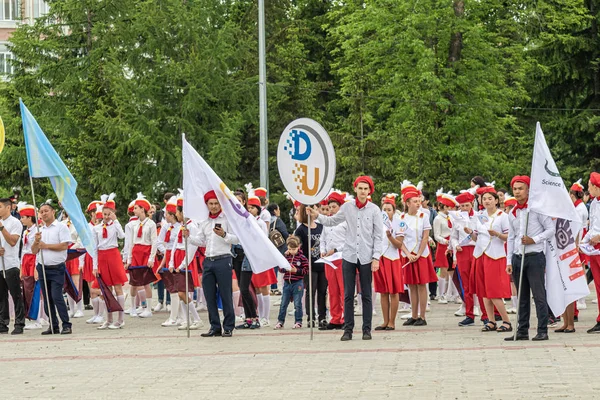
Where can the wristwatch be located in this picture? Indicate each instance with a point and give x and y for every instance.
(1, 228)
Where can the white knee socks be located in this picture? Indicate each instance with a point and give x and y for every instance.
(174, 307)
(121, 300)
(259, 305)
(266, 307)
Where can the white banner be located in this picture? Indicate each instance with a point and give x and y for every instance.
(330, 259)
(199, 178)
(565, 276)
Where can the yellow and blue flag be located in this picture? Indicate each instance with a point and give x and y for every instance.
(43, 162)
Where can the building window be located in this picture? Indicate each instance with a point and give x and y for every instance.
(40, 8)
(10, 10)
(6, 67)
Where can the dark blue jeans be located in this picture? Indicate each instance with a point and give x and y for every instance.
(160, 288)
(55, 279)
(292, 290)
(218, 273)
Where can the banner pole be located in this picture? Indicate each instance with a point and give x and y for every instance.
(521, 277)
(46, 302)
(310, 283)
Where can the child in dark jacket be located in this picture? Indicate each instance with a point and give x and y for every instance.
(293, 283)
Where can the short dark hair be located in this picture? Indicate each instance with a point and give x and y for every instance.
(425, 195)
(48, 203)
(478, 180)
(6, 201)
(502, 190)
(272, 207)
(167, 196)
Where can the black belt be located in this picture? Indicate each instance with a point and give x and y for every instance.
(221, 257)
(57, 266)
(537, 253)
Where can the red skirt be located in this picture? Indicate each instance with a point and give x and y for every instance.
(266, 278)
(28, 264)
(73, 266)
(441, 261)
(388, 278)
(140, 255)
(110, 267)
(497, 281)
(88, 268)
(420, 272)
(478, 277)
(193, 267)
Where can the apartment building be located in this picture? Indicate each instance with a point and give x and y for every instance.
(13, 13)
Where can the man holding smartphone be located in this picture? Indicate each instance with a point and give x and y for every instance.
(215, 235)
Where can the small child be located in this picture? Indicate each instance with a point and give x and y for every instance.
(293, 285)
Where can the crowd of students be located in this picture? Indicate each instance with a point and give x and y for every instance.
(466, 250)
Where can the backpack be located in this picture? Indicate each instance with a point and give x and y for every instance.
(275, 236)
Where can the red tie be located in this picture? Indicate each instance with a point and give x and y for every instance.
(168, 235)
(140, 230)
(449, 222)
(471, 213)
(360, 205)
(104, 232)
(26, 238)
(518, 207)
(180, 236)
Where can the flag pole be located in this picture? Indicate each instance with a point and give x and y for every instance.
(187, 269)
(46, 302)
(521, 276)
(310, 283)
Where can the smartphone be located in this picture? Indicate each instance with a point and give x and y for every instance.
(218, 226)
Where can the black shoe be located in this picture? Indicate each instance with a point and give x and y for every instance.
(331, 326)
(227, 333)
(595, 329)
(255, 324)
(466, 322)
(4, 330)
(409, 322)
(211, 333)
(49, 331)
(17, 331)
(540, 336)
(66, 331)
(367, 335)
(519, 337)
(346, 336)
(420, 322)
(575, 319)
(432, 297)
(88, 307)
(323, 325)
(246, 325)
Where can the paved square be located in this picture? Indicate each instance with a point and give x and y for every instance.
(439, 361)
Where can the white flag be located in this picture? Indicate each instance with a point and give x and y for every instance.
(565, 276)
(199, 178)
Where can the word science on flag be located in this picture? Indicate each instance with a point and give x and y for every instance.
(565, 276)
(306, 161)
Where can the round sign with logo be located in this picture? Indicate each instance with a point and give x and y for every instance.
(306, 161)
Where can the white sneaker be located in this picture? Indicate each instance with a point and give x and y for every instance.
(134, 314)
(406, 316)
(264, 322)
(240, 319)
(91, 320)
(374, 312)
(202, 307)
(116, 325)
(457, 300)
(99, 320)
(511, 310)
(169, 323)
(34, 325)
(595, 301)
(78, 314)
(168, 308)
(128, 311)
(158, 307)
(179, 321)
(71, 313)
(140, 310)
(442, 300)
(196, 325)
(476, 311)
(581, 304)
(44, 322)
(277, 303)
(358, 311)
(146, 314)
(290, 313)
(461, 311)
(104, 326)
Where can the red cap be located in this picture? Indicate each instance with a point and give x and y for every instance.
(260, 192)
(465, 197)
(297, 204)
(92, 206)
(180, 202)
(520, 178)
(511, 201)
(254, 201)
(445, 201)
(486, 189)
(145, 204)
(336, 197)
(324, 202)
(367, 180)
(130, 208)
(595, 179)
(27, 211)
(110, 204)
(409, 194)
(209, 196)
(390, 200)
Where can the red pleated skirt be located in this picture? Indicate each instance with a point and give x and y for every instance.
(266, 278)
(477, 277)
(441, 261)
(420, 272)
(28, 264)
(110, 267)
(389, 277)
(140, 255)
(88, 268)
(73, 266)
(193, 267)
(497, 281)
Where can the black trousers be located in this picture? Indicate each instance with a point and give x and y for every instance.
(54, 301)
(319, 293)
(534, 278)
(11, 284)
(366, 279)
(215, 274)
(244, 280)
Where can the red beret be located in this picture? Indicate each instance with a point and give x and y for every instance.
(260, 192)
(510, 202)
(336, 197)
(324, 202)
(367, 180)
(486, 189)
(145, 204)
(390, 200)
(595, 179)
(254, 201)
(577, 187)
(465, 197)
(445, 201)
(410, 194)
(520, 178)
(209, 196)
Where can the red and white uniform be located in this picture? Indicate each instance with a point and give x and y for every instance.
(108, 262)
(464, 258)
(412, 228)
(178, 260)
(73, 264)
(28, 259)
(389, 277)
(144, 243)
(442, 229)
(128, 238)
(333, 239)
(88, 263)
(267, 277)
(593, 231)
(166, 239)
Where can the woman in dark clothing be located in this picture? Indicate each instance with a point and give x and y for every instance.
(278, 225)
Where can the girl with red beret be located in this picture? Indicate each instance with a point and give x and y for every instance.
(592, 237)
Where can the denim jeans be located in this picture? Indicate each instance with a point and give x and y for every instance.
(160, 288)
(291, 289)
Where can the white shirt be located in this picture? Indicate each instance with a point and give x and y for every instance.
(492, 246)
(162, 245)
(390, 251)
(56, 233)
(459, 221)
(582, 211)
(365, 227)
(265, 216)
(441, 232)
(540, 229)
(128, 238)
(412, 228)
(148, 237)
(215, 244)
(30, 234)
(75, 241)
(191, 248)
(333, 237)
(594, 227)
(114, 231)
(11, 253)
